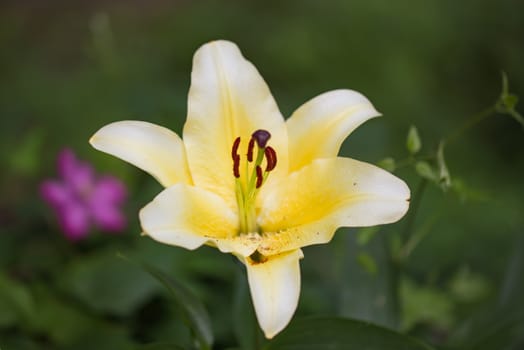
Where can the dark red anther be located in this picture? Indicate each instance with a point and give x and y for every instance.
(250, 150)
(260, 177)
(234, 149)
(271, 158)
(236, 165)
(261, 137)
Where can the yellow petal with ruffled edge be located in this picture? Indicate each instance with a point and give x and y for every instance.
(275, 288)
(307, 207)
(318, 127)
(228, 99)
(152, 148)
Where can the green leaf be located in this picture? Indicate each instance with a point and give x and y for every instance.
(425, 304)
(245, 325)
(513, 285)
(104, 336)
(387, 164)
(507, 102)
(366, 287)
(366, 234)
(64, 322)
(25, 158)
(444, 177)
(426, 171)
(195, 313)
(469, 287)
(16, 303)
(413, 143)
(368, 263)
(107, 284)
(341, 334)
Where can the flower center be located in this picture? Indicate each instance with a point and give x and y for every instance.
(251, 176)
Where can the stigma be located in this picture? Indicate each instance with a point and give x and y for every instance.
(250, 175)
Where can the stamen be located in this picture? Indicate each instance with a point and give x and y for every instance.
(262, 137)
(271, 158)
(260, 177)
(253, 177)
(234, 149)
(236, 166)
(250, 150)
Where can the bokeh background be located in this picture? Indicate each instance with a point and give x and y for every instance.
(69, 67)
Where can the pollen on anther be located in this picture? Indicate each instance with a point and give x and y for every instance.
(234, 149)
(250, 147)
(260, 177)
(271, 158)
(236, 166)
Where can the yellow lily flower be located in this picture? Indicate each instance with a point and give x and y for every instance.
(252, 184)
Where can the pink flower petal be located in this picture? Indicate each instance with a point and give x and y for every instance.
(55, 193)
(108, 189)
(75, 173)
(73, 219)
(65, 163)
(108, 217)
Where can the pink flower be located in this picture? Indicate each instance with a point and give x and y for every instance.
(81, 198)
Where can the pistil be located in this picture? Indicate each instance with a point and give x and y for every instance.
(248, 182)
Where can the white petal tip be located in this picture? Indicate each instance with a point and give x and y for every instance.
(270, 335)
(275, 289)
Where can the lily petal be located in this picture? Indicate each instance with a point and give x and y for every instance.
(187, 217)
(228, 99)
(150, 147)
(318, 127)
(275, 288)
(241, 245)
(307, 207)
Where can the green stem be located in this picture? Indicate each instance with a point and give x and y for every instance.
(415, 206)
(412, 160)
(469, 123)
(417, 237)
(397, 258)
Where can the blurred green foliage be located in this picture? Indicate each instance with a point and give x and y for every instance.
(451, 273)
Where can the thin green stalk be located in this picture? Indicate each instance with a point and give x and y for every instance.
(469, 123)
(408, 161)
(416, 201)
(396, 257)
